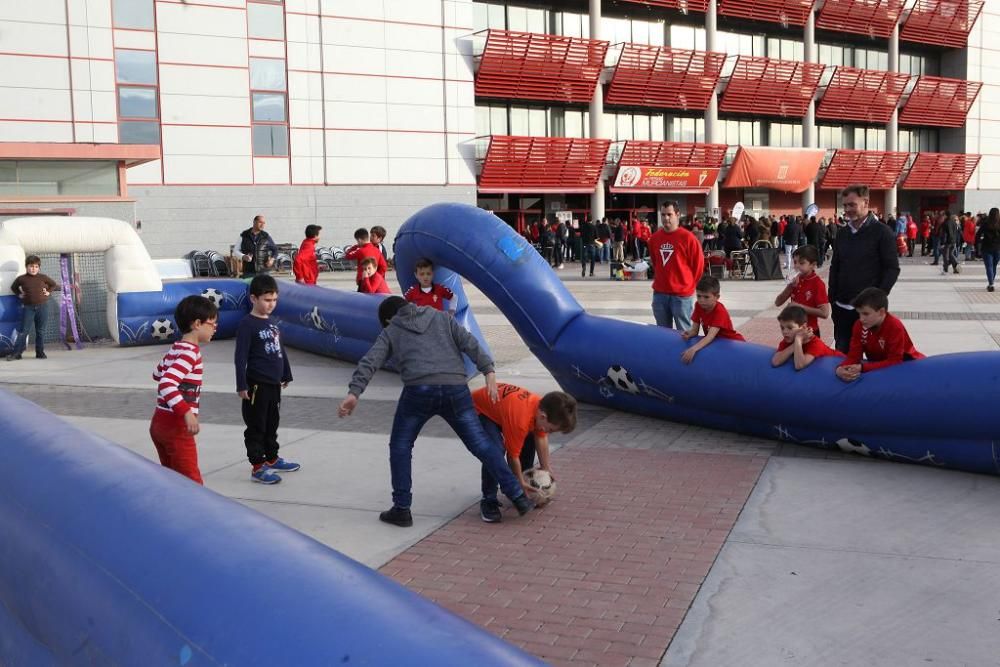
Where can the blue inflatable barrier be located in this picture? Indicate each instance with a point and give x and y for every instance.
(10, 321)
(731, 385)
(145, 318)
(111, 559)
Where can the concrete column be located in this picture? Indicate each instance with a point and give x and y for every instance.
(809, 139)
(712, 129)
(892, 129)
(596, 114)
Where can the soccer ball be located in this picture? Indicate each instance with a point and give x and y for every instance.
(163, 330)
(213, 295)
(622, 379)
(541, 487)
(316, 318)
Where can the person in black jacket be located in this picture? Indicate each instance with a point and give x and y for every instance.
(816, 237)
(864, 255)
(951, 237)
(988, 240)
(256, 248)
(588, 238)
(791, 237)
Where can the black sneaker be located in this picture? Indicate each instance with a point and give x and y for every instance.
(989, 288)
(489, 510)
(13, 357)
(523, 504)
(397, 516)
(40, 355)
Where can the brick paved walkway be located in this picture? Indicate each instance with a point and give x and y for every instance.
(604, 574)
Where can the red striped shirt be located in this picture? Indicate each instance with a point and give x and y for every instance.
(178, 378)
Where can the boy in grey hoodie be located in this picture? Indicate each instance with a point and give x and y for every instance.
(427, 346)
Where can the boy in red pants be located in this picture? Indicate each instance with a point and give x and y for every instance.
(178, 378)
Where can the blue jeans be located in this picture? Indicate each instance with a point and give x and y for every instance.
(673, 311)
(990, 259)
(526, 457)
(606, 251)
(936, 249)
(453, 403)
(589, 251)
(33, 318)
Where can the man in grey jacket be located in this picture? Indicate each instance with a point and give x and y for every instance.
(426, 346)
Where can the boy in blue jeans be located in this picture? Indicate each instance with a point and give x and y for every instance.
(33, 289)
(427, 346)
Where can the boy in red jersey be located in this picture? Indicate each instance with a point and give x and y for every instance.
(710, 314)
(520, 422)
(372, 281)
(306, 268)
(806, 288)
(798, 341)
(178, 388)
(428, 293)
(363, 249)
(877, 335)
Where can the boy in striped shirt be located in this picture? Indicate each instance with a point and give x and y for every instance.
(178, 378)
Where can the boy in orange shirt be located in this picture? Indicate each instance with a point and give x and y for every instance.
(878, 335)
(520, 422)
(806, 288)
(372, 281)
(798, 340)
(710, 314)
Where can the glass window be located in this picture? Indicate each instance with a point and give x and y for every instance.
(269, 107)
(640, 32)
(682, 36)
(265, 21)
(498, 120)
(537, 20)
(136, 102)
(657, 128)
(270, 140)
(657, 31)
(497, 18)
(759, 45)
(138, 132)
(773, 47)
(482, 121)
(517, 19)
(536, 122)
(135, 14)
(135, 66)
(623, 127)
(519, 121)
(699, 39)
(825, 54)
(54, 178)
(837, 55)
(903, 141)
(267, 74)
(573, 120)
(640, 128)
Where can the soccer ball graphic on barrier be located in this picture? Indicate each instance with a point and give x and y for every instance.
(622, 379)
(317, 319)
(213, 295)
(163, 330)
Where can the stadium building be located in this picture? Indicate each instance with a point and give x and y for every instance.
(189, 117)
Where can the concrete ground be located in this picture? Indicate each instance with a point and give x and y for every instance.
(667, 544)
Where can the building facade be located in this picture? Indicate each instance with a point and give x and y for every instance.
(190, 117)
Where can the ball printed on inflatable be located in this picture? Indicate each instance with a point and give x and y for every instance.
(541, 487)
(622, 379)
(316, 318)
(163, 330)
(213, 295)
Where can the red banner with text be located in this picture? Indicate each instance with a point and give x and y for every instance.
(632, 178)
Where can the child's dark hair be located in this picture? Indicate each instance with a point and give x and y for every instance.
(263, 284)
(193, 308)
(560, 410)
(388, 309)
(873, 298)
(312, 231)
(369, 260)
(795, 314)
(709, 284)
(361, 234)
(423, 263)
(32, 260)
(378, 230)
(808, 253)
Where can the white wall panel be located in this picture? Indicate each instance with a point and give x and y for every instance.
(95, 13)
(413, 63)
(461, 93)
(416, 145)
(200, 50)
(413, 38)
(206, 141)
(28, 131)
(304, 56)
(95, 105)
(134, 39)
(34, 104)
(37, 11)
(348, 32)
(418, 117)
(357, 170)
(34, 38)
(356, 115)
(459, 68)
(461, 172)
(270, 170)
(105, 134)
(91, 42)
(306, 6)
(305, 86)
(84, 133)
(354, 59)
(415, 11)
(358, 8)
(204, 110)
(458, 41)
(28, 72)
(306, 143)
(414, 91)
(461, 119)
(307, 170)
(90, 75)
(416, 170)
(458, 13)
(348, 144)
(305, 113)
(147, 173)
(217, 81)
(344, 87)
(206, 169)
(261, 48)
(197, 20)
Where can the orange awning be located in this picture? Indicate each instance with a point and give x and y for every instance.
(783, 169)
(130, 154)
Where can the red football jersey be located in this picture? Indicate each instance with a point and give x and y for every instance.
(811, 291)
(885, 345)
(717, 317)
(816, 347)
(433, 297)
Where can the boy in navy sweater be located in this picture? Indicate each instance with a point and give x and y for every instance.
(262, 370)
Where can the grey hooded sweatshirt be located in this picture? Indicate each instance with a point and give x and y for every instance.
(426, 345)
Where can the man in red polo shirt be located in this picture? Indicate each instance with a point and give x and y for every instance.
(678, 262)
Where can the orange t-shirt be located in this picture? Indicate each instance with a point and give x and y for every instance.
(514, 413)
